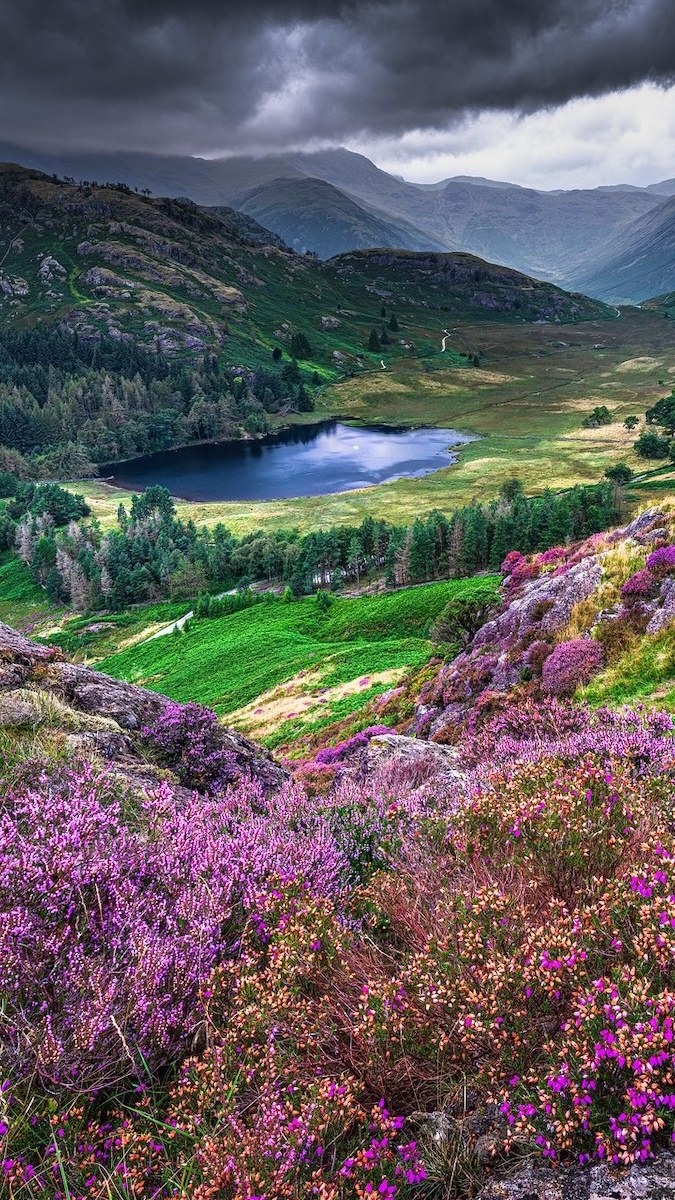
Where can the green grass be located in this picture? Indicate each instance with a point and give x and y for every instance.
(230, 662)
(21, 600)
(645, 674)
(96, 637)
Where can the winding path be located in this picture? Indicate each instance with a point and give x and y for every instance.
(181, 620)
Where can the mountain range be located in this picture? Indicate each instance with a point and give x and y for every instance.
(616, 243)
(171, 275)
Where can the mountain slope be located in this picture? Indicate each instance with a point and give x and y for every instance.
(169, 274)
(548, 234)
(638, 263)
(310, 214)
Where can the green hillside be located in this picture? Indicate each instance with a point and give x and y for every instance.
(168, 274)
(335, 660)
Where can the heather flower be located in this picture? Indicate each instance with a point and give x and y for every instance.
(570, 665)
(513, 559)
(662, 560)
(641, 586)
(334, 754)
(536, 655)
(188, 739)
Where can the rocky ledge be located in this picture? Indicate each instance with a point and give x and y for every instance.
(97, 714)
(647, 1181)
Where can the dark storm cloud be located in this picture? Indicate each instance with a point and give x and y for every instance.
(264, 74)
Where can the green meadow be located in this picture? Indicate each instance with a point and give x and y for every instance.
(280, 668)
(526, 403)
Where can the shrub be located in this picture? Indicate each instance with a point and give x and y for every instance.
(650, 445)
(569, 666)
(460, 620)
(621, 473)
(641, 586)
(307, 967)
(513, 559)
(188, 739)
(522, 572)
(615, 636)
(600, 416)
(536, 655)
(334, 754)
(662, 560)
(300, 346)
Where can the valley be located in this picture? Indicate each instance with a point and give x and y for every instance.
(337, 600)
(526, 402)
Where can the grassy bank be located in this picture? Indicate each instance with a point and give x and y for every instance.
(278, 669)
(22, 602)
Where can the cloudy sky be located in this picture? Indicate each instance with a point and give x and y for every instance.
(550, 93)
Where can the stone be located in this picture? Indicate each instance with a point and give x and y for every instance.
(413, 753)
(103, 714)
(645, 1181)
(644, 522)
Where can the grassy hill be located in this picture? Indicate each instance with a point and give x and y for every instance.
(279, 671)
(167, 273)
(312, 215)
(542, 233)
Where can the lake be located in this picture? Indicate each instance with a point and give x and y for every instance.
(309, 460)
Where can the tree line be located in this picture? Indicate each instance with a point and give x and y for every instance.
(68, 404)
(153, 555)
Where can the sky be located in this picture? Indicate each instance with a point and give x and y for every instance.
(547, 93)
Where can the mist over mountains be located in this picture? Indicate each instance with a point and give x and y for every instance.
(616, 243)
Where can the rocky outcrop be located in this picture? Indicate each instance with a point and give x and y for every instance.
(541, 596)
(412, 756)
(648, 1181)
(99, 714)
(498, 654)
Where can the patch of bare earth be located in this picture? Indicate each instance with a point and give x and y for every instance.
(302, 696)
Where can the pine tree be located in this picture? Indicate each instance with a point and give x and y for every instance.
(421, 553)
(374, 342)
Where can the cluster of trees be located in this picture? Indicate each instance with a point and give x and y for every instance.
(379, 338)
(600, 416)
(67, 404)
(152, 555)
(44, 507)
(651, 444)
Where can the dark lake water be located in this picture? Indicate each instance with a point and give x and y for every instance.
(304, 461)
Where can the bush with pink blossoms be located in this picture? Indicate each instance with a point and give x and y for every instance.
(188, 739)
(536, 655)
(110, 924)
(334, 754)
(554, 557)
(570, 665)
(309, 967)
(522, 573)
(513, 559)
(662, 560)
(643, 585)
